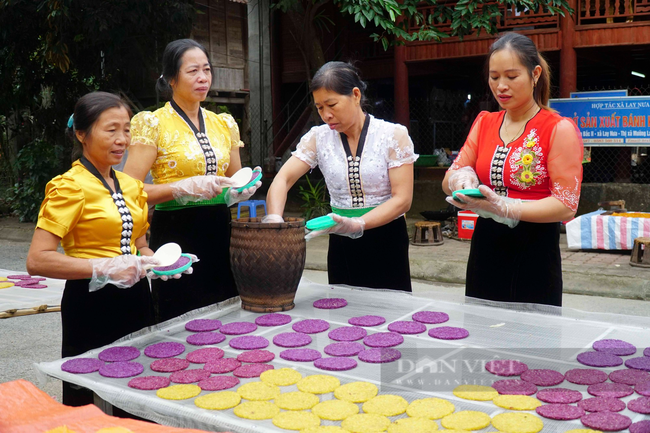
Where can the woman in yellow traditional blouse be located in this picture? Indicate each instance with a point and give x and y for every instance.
(100, 218)
(188, 150)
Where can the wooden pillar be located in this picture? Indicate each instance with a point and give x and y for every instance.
(568, 57)
(401, 87)
(276, 79)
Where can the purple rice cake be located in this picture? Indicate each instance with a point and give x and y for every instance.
(189, 376)
(407, 327)
(559, 395)
(249, 342)
(120, 353)
(205, 338)
(643, 388)
(430, 317)
(606, 421)
(166, 349)
(640, 405)
(182, 261)
(347, 333)
(169, 365)
(19, 276)
(383, 339)
(223, 365)
(646, 352)
(218, 383)
(448, 333)
(203, 325)
(559, 411)
(335, 364)
(330, 303)
(256, 356)
(149, 383)
(599, 359)
(32, 286)
(251, 370)
(238, 328)
(608, 389)
(121, 369)
(506, 367)
(514, 387)
(311, 326)
(380, 355)
(28, 281)
(82, 365)
(367, 320)
(273, 319)
(543, 377)
(291, 339)
(300, 355)
(615, 347)
(629, 376)
(640, 427)
(602, 404)
(585, 376)
(641, 363)
(343, 349)
(201, 356)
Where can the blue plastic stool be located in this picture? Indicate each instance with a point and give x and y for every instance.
(252, 207)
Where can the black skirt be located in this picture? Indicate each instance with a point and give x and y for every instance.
(522, 264)
(205, 232)
(379, 259)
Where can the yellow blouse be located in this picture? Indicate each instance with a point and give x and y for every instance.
(79, 209)
(179, 153)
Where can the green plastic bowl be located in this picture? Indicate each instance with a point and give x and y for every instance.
(427, 161)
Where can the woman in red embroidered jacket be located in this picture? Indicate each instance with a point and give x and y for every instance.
(528, 162)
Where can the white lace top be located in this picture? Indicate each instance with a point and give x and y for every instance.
(361, 181)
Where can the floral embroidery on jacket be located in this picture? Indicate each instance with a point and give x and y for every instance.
(526, 162)
(569, 196)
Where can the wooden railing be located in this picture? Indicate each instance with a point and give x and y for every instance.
(612, 12)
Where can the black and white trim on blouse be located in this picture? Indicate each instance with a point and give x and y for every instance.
(211, 166)
(354, 162)
(496, 170)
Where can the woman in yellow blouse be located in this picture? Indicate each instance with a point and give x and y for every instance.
(188, 150)
(100, 218)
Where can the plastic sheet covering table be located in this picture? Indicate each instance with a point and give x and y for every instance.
(28, 300)
(598, 231)
(542, 337)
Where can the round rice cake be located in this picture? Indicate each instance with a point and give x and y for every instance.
(324, 429)
(407, 327)
(119, 353)
(613, 346)
(201, 356)
(448, 333)
(82, 365)
(413, 425)
(249, 342)
(640, 363)
(300, 355)
(335, 364)
(344, 349)
(291, 339)
(165, 349)
(383, 339)
(602, 404)
(330, 303)
(559, 395)
(218, 383)
(311, 326)
(585, 376)
(4, 279)
(430, 408)
(203, 325)
(258, 391)
(221, 366)
(386, 404)
(380, 355)
(251, 370)
(256, 356)
(169, 365)
(516, 402)
(281, 377)
(189, 376)
(583, 430)
(475, 392)
(643, 388)
(369, 320)
(149, 383)
(6, 284)
(335, 410)
(296, 400)
(365, 423)
(179, 392)
(513, 422)
(430, 317)
(218, 400)
(347, 333)
(318, 383)
(599, 359)
(629, 376)
(606, 421)
(640, 405)
(238, 328)
(608, 389)
(273, 319)
(560, 411)
(506, 367)
(121, 369)
(296, 420)
(205, 338)
(466, 420)
(640, 427)
(543, 377)
(256, 410)
(356, 392)
(514, 387)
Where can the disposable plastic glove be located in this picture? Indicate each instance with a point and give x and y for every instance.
(232, 196)
(463, 178)
(350, 227)
(272, 218)
(504, 210)
(197, 188)
(187, 271)
(121, 271)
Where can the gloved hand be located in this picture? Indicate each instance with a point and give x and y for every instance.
(272, 218)
(504, 210)
(122, 271)
(463, 178)
(187, 271)
(198, 188)
(232, 196)
(350, 227)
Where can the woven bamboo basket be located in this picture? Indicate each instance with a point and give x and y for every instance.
(267, 261)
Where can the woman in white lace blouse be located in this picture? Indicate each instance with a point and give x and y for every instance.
(368, 168)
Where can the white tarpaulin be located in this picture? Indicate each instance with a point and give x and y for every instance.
(18, 298)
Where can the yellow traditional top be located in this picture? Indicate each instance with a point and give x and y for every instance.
(179, 152)
(80, 210)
